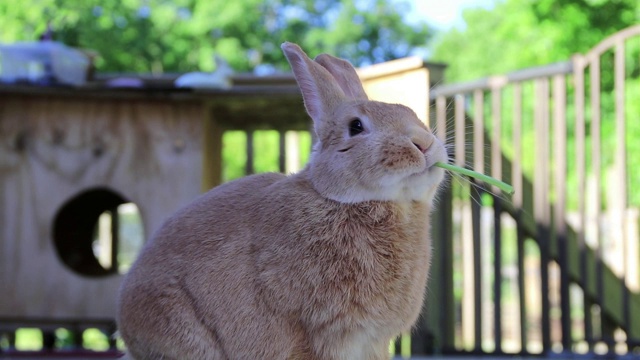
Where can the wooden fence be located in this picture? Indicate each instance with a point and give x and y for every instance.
(554, 268)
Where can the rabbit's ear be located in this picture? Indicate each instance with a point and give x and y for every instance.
(345, 74)
(319, 89)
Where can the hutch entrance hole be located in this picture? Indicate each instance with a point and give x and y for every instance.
(98, 233)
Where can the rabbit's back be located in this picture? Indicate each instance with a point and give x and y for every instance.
(192, 293)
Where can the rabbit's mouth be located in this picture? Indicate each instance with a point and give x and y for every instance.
(431, 161)
(422, 184)
(432, 156)
(436, 153)
(428, 169)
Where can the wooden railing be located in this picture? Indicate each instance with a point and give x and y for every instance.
(555, 267)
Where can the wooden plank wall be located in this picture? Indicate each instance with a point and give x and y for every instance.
(51, 149)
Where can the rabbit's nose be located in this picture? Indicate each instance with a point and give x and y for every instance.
(423, 144)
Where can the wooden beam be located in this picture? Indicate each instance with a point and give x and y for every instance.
(211, 150)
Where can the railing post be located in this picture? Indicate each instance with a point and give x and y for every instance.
(434, 332)
(282, 152)
(580, 135)
(439, 308)
(496, 172)
(497, 273)
(211, 150)
(541, 200)
(440, 301)
(11, 339)
(249, 169)
(621, 170)
(76, 337)
(476, 210)
(560, 169)
(48, 339)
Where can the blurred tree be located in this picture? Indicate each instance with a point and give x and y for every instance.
(182, 35)
(516, 34)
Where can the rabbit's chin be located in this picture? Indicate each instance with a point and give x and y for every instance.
(415, 186)
(420, 186)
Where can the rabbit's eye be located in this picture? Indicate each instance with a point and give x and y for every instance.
(355, 127)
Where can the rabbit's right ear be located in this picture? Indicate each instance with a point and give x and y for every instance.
(319, 89)
(345, 75)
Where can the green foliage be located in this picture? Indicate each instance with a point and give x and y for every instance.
(182, 35)
(94, 339)
(64, 339)
(266, 152)
(130, 235)
(28, 339)
(234, 157)
(517, 34)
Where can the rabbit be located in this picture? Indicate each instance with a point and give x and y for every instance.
(328, 263)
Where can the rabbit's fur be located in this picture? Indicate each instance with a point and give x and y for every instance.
(329, 263)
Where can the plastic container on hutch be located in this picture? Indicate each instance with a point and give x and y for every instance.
(43, 62)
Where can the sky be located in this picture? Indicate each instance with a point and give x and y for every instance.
(442, 15)
(445, 14)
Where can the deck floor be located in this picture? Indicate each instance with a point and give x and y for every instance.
(438, 357)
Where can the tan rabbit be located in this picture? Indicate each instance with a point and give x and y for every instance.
(329, 263)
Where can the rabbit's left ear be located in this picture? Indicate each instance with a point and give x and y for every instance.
(320, 91)
(345, 75)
